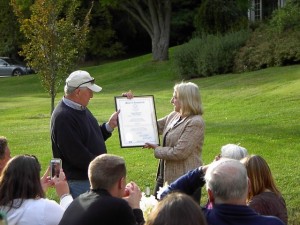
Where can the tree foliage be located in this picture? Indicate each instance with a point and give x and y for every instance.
(218, 16)
(155, 17)
(55, 42)
(9, 30)
(275, 43)
(182, 20)
(102, 38)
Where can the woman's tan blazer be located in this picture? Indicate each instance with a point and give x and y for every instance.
(183, 144)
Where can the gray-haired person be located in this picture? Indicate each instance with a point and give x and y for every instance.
(193, 180)
(76, 136)
(227, 187)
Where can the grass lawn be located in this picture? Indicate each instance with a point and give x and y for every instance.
(259, 110)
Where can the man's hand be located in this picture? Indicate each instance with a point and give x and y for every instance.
(134, 195)
(113, 120)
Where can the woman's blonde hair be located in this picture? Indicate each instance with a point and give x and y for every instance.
(260, 176)
(189, 97)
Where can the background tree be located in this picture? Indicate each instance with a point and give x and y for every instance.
(10, 34)
(132, 35)
(102, 40)
(182, 20)
(136, 40)
(218, 16)
(155, 17)
(55, 41)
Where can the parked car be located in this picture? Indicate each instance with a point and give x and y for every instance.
(11, 67)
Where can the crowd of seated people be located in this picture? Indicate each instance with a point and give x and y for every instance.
(240, 189)
(263, 196)
(192, 181)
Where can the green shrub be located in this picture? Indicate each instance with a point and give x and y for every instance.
(209, 55)
(274, 44)
(256, 54)
(265, 49)
(184, 59)
(286, 18)
(287, 48)
(218, 16)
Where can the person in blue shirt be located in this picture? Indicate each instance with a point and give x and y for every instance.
(192, 181)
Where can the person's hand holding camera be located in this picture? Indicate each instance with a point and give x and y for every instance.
(61, 185)
(46, 181)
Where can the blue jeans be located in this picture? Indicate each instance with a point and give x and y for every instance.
(77, 187)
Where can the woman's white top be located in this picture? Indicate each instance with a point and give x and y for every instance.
(35, 212)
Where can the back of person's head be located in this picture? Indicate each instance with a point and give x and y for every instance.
(227, 180)
(3, 145)
(176, 209)
(105, 170)
(233, 151)
(189, 96)
(260, 176)
(20, 179)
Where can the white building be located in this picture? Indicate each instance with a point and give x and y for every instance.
(261, 9)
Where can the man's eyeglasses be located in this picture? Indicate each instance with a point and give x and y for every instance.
(90, 81)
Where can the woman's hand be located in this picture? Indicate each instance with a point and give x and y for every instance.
(46, 181)
(149, 145)
(61, 184)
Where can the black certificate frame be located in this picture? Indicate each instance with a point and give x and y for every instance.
(137, 121)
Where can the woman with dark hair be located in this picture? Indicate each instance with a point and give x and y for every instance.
(264, 197)
(176, 209)
(22, 197)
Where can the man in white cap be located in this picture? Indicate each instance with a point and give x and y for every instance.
(76, 136)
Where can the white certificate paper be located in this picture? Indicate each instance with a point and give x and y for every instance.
(137, 121)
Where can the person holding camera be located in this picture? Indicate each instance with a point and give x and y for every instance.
(22, 193)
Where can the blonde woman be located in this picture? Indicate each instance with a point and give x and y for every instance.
(182, 134)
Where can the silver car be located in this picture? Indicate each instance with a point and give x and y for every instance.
(10, 67)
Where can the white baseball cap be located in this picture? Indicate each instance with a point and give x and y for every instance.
(80, 78)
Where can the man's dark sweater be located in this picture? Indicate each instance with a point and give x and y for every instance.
(77, 139)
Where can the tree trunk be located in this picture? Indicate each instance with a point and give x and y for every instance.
(160, 48)
(161, 20)
(52, 103)
(155, 17)
(52, 92)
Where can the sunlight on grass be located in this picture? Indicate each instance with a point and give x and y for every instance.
(259, 110)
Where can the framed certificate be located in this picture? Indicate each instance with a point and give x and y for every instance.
(137, 121)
